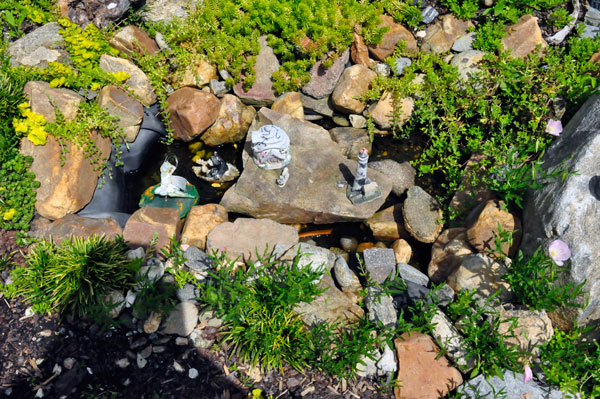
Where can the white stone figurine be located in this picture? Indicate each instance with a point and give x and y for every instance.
(270, 147)
(283, 177)
(171, 186)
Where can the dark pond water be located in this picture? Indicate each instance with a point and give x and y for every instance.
(384, 147)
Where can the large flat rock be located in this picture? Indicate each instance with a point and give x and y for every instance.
(311, 194)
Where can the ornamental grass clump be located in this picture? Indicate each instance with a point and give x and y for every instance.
(73, 276)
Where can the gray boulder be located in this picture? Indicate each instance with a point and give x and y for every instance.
(39, 47)
(568, 209)
(513, 386)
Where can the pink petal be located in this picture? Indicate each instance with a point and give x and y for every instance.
(528, 374)
(185, 247)
(554, 127)
(559, 251)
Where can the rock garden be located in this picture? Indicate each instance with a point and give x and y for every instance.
(284, 199)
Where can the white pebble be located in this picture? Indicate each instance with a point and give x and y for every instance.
(193, 373)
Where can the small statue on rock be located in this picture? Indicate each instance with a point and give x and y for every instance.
(271, 147)
(215, 170)
(363, 189)
(283, 177)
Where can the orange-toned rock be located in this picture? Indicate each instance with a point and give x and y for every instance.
(132, 39)
(364, 245)
(289, 103)
(68, 188)
(354, 82)
(359, 52)
(198, 74)
(523, 37)
(389, 40)
(44, 100)
(422, 374)
(192, 112)
(441, 36)
(232, 122)
(595, 58)
(447, 253)
(200, 221)
(147, 221)
(402, 251)
(387, 224)
(382, 111)
(482, 233)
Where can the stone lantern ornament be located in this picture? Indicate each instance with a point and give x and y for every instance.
(362, 190)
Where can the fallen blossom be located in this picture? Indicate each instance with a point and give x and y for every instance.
(559, 251)
(528, 374)
(554, 127)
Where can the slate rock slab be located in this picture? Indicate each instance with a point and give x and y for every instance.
(312, 194)
(39, 47)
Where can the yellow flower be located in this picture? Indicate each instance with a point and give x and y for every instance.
(20, 126)
(37, 135)
(23, 106)
(11, 213)
(95, 86)
(56, 82)
(121, 76)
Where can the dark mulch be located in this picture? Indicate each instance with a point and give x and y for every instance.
(74, 359)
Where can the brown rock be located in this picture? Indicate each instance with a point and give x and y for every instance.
(192, 112)
(389, 40)
(245, 237)
(138, 81)
(422, 215)
(523, 37)
(351, 140)
(447, 253)
(482, 274)
(387, 224)
(197, 75)
(43, 100)
(482, 233)
(382, 111)
(124, 106)
(331, 306)
(132, 39)
(311, 194)
(354, 82)
(323, 80)
(200, 221)
(147, 221)
(442, 35)
(595, 58)
(422, 373)
(78, 226)
(261, 93)
(232, 122)
(359, 52)
(364, 245)
(63, 7)
(402, 251)
(68, 188)
(289, 103)
(533, 329)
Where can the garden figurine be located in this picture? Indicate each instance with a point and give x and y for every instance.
(362, 189)
(270, 147)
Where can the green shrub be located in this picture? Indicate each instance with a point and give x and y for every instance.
(480, 327)
(559, 18)
(573, 362)
(300, 33)
(533, 281)
(74, 276)
(260, 324)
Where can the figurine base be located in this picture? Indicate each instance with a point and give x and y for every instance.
(365, 195)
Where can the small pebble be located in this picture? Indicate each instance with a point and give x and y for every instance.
(181, 341)
(348, 244)
(68, 363)
(178, 367)
(141, 362)
(122, 363)
(193, 373)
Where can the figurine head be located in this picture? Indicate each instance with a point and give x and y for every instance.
(270, 147)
